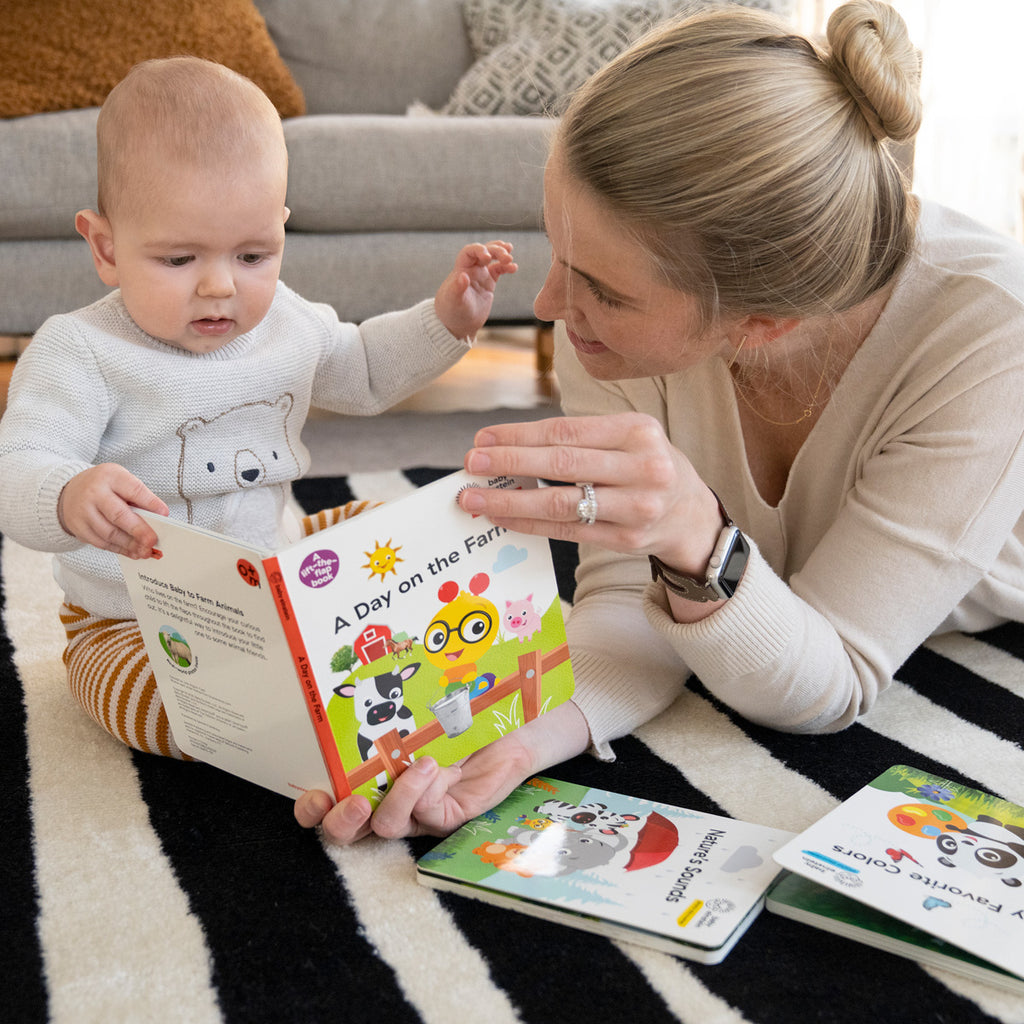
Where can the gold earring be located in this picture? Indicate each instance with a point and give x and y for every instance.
(735, 354)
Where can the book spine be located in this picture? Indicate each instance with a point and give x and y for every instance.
(307, 680)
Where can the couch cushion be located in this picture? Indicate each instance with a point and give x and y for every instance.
(532, 54)
(47, 173)
(67, 54)
(370, 56)
(384, 173)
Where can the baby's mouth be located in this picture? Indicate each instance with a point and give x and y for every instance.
(213, 326)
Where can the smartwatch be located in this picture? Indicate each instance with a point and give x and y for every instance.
(725, 568)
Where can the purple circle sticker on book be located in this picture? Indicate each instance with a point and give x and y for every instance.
(319, 568)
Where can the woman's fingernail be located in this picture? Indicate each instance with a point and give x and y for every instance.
(478, 462)
(485, 439)
(472, 500)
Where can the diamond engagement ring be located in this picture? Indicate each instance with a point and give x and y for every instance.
(586, 507)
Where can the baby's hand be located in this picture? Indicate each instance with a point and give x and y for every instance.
(463, 302)
(96, 506)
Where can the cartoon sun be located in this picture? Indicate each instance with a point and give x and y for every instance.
(383, 559)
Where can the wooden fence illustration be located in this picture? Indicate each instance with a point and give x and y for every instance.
(394, 752)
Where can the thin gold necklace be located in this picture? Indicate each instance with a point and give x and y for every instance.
(808, 409)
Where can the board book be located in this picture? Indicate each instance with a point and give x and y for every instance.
(412, 629)
(677, 880)
(919, 866)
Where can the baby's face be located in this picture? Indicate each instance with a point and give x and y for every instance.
(198, 260)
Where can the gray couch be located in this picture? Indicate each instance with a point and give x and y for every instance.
(380, 200)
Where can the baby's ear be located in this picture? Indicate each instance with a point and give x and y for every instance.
(96, 230)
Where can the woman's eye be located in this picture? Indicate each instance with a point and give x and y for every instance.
(601, 297)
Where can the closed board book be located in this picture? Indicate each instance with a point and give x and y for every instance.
(919, 866)
(677, 880)
(412, 629)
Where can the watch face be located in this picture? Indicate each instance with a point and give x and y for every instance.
(733, 562)
(725, 569)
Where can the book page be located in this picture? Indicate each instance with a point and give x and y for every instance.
(222, 666)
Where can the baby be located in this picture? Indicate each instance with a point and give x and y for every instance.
(184, 391)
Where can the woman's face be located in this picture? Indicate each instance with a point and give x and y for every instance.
(622, 318)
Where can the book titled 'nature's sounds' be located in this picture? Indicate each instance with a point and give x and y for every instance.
(412, 629)
(677, 880)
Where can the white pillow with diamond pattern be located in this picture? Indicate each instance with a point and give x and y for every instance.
(532, 54)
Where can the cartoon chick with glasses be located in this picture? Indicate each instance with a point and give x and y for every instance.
(461, 631)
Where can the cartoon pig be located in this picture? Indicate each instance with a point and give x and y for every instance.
(522, 618)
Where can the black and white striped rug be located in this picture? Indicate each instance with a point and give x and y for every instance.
(138, 889)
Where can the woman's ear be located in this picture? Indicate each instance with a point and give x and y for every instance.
(760, 329)
(96, 230)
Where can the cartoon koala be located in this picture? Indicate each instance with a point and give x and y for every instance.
(247, 446)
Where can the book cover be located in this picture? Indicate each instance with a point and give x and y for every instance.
(941, 857)
(411, 629)
(678, 880)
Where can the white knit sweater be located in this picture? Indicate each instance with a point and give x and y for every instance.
(217, 436)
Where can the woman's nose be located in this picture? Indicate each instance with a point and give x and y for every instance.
(549, 304)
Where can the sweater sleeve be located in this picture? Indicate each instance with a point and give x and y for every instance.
(368, 368)
(625, 672)
(49, 433)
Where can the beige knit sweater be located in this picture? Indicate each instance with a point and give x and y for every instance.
(902, 516)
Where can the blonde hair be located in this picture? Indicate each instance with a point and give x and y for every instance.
(185, 110)
(751, 164)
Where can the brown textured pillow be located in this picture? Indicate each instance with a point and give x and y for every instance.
(64, 54)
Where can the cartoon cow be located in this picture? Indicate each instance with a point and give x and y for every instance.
(378, 703)
(522, 618)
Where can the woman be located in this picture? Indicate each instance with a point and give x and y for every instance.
(760, 319)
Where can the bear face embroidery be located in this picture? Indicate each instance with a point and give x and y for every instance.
(246, 446)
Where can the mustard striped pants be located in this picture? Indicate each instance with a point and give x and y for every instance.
(109, 673)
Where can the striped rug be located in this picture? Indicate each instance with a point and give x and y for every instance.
(137, 889)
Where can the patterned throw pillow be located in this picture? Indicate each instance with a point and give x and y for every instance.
(532, 54)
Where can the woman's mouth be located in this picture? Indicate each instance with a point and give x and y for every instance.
(587, 348)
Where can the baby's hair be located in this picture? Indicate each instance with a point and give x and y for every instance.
(186, 110)
(752, 165)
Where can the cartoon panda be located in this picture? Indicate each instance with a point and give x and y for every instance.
(985, 848)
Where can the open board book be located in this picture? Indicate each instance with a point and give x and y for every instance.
(412, 629)
(677, 880)
(919, 866)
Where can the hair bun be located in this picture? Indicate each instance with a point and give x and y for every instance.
(872, 55)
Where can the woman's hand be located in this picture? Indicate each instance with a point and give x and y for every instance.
(431, 799)
(649, 497)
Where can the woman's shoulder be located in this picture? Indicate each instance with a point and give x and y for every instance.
(956, 244)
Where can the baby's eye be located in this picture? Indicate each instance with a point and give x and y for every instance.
(177, 261)
(251, 259)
